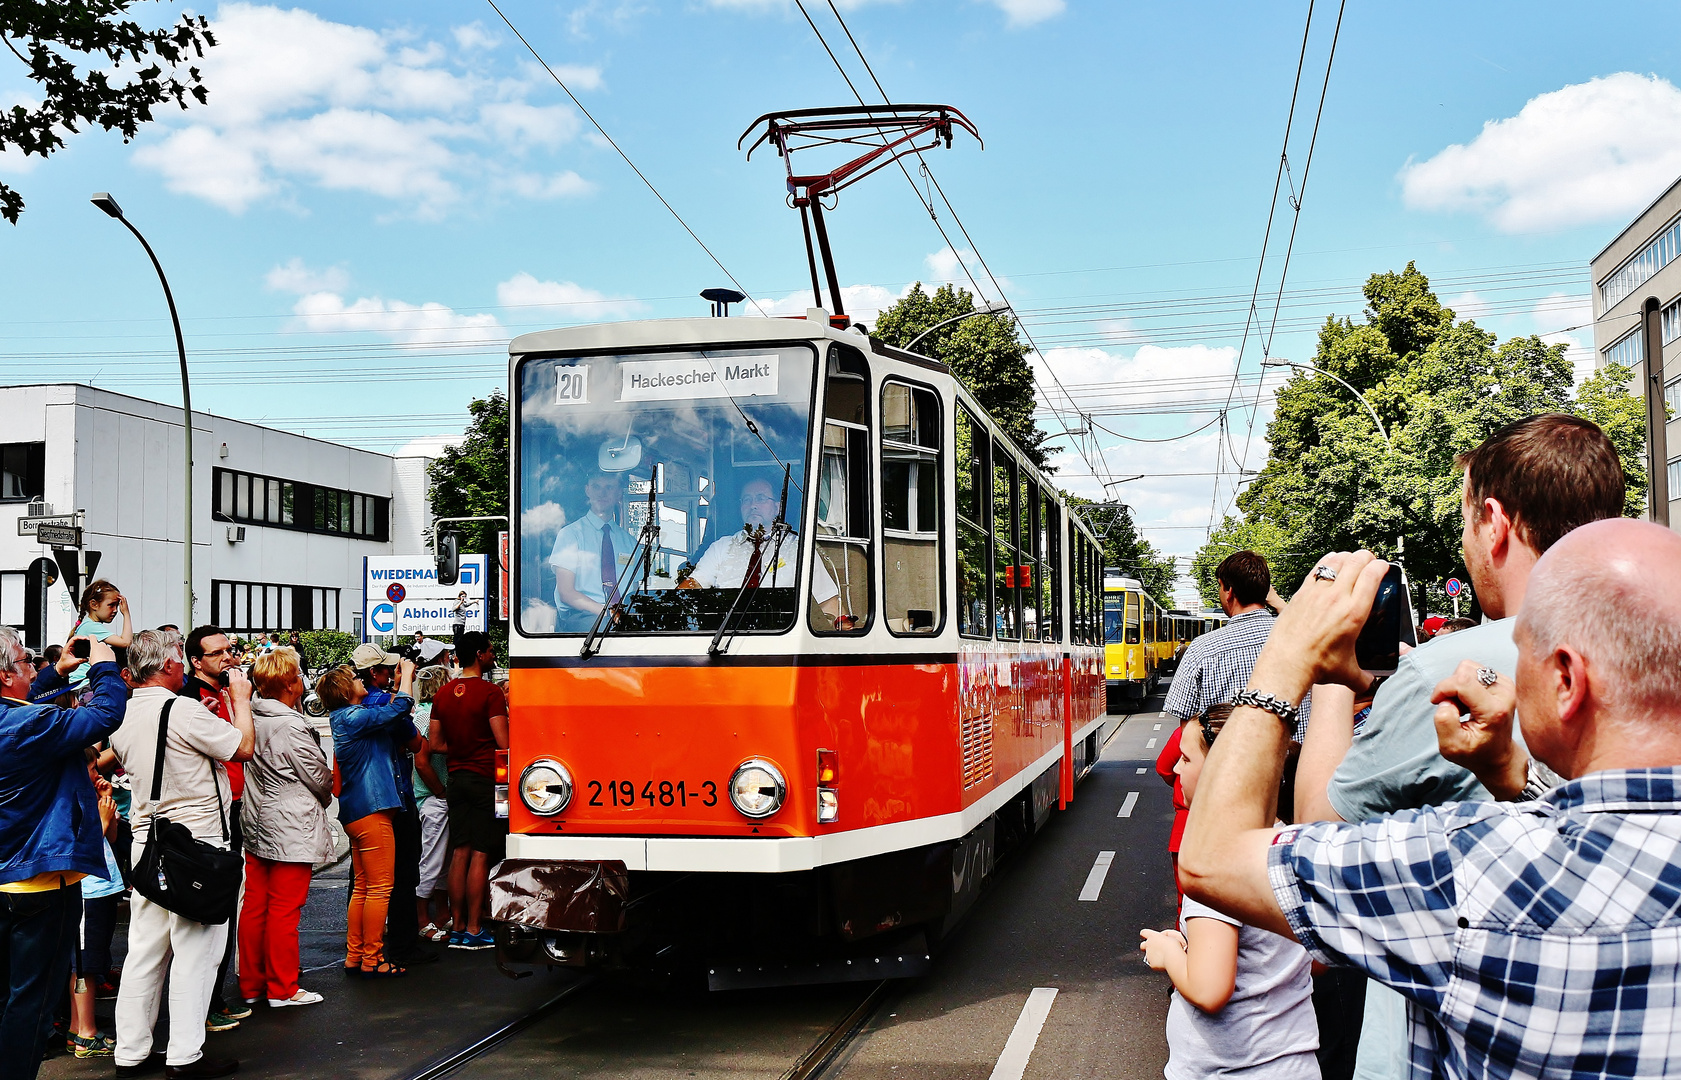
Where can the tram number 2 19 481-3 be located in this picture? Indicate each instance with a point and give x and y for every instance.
(625, 794)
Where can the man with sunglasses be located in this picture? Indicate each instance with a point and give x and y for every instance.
(210, 655)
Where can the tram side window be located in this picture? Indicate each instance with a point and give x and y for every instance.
(1050, 594)
(911, 521)
(1005, 552)
(1028, 575)
(840, 579)
(974, 508)
(1093, 585)
(1076, 586)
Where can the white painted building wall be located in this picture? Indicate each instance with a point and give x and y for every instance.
(120, 459)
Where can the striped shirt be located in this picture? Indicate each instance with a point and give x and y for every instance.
(1538, 939)
(1218, 665)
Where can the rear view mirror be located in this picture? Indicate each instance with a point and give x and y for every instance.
(449, 558)
(620, 455)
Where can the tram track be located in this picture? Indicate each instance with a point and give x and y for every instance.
(815, 1062)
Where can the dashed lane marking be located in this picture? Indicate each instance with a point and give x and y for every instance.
(1128, 803)
(1151, 745)
(1012, 1063)
(1140, 772)
(1158, 727)
(1094, 880)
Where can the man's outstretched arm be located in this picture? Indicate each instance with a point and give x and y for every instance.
(1223, 860)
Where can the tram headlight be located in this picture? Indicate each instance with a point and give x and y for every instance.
(757, 788)
(545, 787)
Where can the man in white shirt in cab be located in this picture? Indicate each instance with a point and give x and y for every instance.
(588, 557)
(752, 556)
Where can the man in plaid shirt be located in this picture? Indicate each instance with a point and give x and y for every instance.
(1530, 939)
(1217, 665)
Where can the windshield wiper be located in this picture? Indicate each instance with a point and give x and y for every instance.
(647, 542)
(744, 593)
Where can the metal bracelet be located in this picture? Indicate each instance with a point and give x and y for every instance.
(1277, 706)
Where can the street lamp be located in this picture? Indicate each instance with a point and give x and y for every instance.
(993, 307)
(104, 201)
(1275, 361)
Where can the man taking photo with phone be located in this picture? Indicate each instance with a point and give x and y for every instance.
(1526, 486)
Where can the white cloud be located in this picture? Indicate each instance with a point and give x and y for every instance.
(543, 518)
(1592, 151)
(1573, 310)
(962, 269)
(295, 277)
(300, 101)
(427, 446)
(1019, 13)
(581, 304)
(864, 303)
(577, 76)
(563, 185)
(408, 324)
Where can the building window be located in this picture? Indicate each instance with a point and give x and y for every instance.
(247, 607)
(1672, 320)
(12, 594)
(1626, 350)
(1639, 267)
(291, 504)
(1674, 477)
(23, 471)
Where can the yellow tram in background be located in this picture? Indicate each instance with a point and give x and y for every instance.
(1142, 641)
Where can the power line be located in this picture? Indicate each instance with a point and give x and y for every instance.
(973, 248)
(561, 83)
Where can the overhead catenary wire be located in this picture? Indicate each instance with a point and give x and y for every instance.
(639, 174)
(973, 248)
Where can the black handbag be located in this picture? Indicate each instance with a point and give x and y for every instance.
(179, 872)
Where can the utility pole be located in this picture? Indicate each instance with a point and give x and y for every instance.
(1657, 417)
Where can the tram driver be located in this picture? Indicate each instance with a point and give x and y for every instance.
(742, 557)
(589, 555)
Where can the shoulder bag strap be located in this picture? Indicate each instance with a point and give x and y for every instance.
(157, 766)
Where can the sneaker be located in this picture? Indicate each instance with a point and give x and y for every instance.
(484, 939)
(457, 940)
(221, 1021)
(238, 1012)
(302, 997)
(105, 989)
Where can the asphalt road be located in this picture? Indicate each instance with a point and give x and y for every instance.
(970, 1017)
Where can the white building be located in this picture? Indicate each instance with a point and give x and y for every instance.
(281, 522)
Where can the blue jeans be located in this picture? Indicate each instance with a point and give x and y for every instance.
(37, 932)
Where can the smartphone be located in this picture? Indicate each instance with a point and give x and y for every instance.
(1388, 627)
(81, 648)
(223, 681)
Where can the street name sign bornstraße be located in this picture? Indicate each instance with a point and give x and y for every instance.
(27, 526)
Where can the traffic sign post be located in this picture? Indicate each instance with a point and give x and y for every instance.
(1455, 588)
(28, 526)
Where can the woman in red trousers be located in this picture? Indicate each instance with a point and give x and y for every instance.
(288, 785)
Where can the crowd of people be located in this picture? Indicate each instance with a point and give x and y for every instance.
(120, 746)
(1463, 867)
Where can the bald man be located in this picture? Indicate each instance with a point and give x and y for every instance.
(1530, 939)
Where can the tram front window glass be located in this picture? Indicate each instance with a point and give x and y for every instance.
(658, 479)
(1132, 619)
(1005, 555)
(910, 509)
(974, 599)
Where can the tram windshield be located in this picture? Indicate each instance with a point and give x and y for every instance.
(699, 442)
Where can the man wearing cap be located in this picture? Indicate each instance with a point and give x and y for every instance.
(588, 556)
(377, 669)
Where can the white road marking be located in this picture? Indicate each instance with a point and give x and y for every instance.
(1128, 803)
(1012, 1063)
(1158, 727)
(1151, 745)
(1140, 772)
(1094, 880)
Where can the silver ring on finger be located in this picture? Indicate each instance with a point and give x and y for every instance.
(1487, 676)
(1324, 573)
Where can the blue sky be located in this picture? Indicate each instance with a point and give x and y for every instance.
(378, 197)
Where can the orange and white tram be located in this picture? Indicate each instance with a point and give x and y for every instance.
(853, 649)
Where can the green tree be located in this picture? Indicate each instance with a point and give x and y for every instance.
(985, 353)
(471, 478)
(1441, 385)
(1125, 550)
(120, 79)
(1235, 534)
